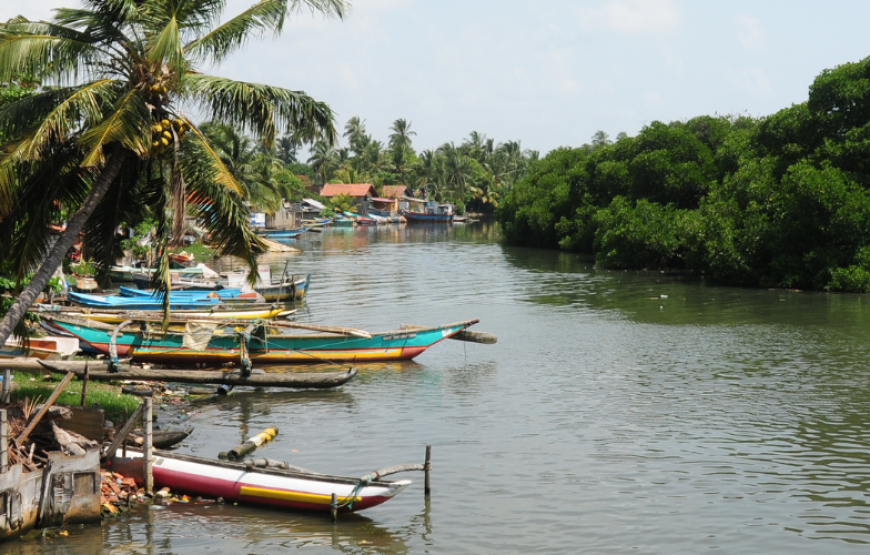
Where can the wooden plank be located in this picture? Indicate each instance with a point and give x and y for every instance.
(128, 425)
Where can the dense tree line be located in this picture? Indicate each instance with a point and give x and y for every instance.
(475, 173)
(778, 201)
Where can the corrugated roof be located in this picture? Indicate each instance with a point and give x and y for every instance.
(352, 189)
(380, 199)
(314, 203)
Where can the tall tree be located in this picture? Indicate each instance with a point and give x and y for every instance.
(110, 132)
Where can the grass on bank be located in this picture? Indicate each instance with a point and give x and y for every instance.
(116, 405)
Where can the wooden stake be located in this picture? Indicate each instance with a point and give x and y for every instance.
(128, 425)
(47, 405)
(85, 385)
(146, 448)
(7, 385)
(427, 467)
(4, 442)
(334, 507)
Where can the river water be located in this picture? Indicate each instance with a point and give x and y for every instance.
(619, 412)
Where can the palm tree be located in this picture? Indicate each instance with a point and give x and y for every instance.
(355, 132)
(322, 159)
(286, 149)
(251, 164)
(401, 134)
(110, 133)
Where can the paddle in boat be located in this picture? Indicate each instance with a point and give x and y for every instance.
(215, 345)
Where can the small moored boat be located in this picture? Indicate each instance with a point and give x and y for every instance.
(287, 488)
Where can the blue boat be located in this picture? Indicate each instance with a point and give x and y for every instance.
(280, 233)
(225, 295)
(140, 303)
(434, 213)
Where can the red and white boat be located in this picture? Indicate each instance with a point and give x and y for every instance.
(286, 488)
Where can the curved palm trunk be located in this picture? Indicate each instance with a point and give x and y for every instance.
(66, 240)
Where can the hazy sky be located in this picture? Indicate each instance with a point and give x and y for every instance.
(548, 73)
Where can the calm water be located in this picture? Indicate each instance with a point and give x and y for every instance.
(618, 412)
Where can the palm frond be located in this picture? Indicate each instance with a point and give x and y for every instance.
(222, 213)
(261, 108)
(222, 174)
(129, 123)
(165, 45)
(262, 17)
(43, 187)
(53, 115)
(52, 52)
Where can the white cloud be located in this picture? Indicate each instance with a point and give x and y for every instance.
(751, 36)
(633, 16)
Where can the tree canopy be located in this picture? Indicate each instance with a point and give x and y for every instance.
(778, 201)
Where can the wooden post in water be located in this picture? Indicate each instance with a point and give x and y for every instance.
(85, 385)
(147, 411)
(4, 443)
(334, 507)
(7, 385)
(149, 439)
(427, 467)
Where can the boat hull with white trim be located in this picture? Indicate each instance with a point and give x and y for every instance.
(271, 487)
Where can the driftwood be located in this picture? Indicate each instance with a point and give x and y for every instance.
(284, 379)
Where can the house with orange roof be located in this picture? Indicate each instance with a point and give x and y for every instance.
(357, 191)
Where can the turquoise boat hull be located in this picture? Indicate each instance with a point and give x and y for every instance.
(222, 348)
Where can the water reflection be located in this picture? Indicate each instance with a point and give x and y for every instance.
(192, 529)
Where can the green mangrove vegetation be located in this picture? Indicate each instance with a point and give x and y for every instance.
(777, 201)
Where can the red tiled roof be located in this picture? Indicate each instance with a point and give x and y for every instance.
(352, 189)
(394, 191)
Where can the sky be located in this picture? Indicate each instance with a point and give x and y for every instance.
(547, 73)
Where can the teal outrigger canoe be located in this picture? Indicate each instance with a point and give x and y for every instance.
(209, 343)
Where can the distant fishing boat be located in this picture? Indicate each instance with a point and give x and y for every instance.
(433, 213)
(317, 223)
(342, 221)
(335, 345)
(281, 233)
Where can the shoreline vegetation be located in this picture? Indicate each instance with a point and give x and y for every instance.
(781, 201)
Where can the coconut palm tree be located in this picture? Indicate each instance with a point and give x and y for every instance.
(322, 159)
(109, 133)
(401, 134)
(250, 163)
